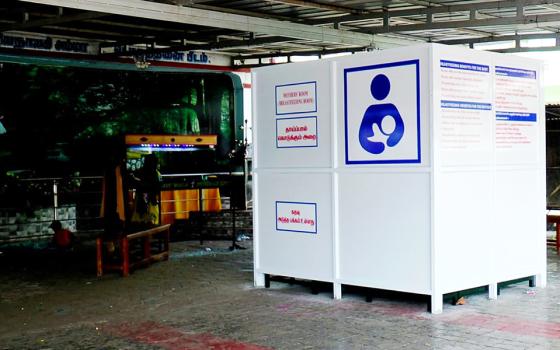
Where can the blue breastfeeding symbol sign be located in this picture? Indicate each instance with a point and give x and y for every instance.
(382, 113)
(370, 140)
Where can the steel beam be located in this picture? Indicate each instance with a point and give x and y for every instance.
(436, 9)
(187, 15)
(229, 44)
(201, 5)
(52, 21)
(320, 6)
(532, 21)
(500, 38)
(528, 49)
(223, 44)
(167, 39)
(298, 53)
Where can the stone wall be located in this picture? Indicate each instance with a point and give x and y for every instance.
(217, 225)
(22, 224)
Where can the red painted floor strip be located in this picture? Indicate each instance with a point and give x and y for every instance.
(173, 339)
(517, 326)
(511, 325)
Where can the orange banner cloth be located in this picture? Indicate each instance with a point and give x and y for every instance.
(177, 204)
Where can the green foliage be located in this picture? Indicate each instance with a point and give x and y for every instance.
(81, 110)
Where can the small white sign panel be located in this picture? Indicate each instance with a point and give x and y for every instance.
(382, 113)
(465, 106)
(517, 105)
(296, 217)
(296, 98)
(296, 132)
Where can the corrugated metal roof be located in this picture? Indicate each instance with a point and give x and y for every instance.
(445, 21)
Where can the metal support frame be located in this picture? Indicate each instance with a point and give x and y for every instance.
(26, 24)
(532, 21)
(340, 29)
(195, 16)
(501, 38)
(472, 8)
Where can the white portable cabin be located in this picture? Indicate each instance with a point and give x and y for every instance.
(417, 169)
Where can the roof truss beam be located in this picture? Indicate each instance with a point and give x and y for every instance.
(500, 38)
(430, 11)
(201, 5)
(531, 21)
(169, 39)
(291, 54)
(529, 49)
(194, 16)
(52, 21)
(218, 45)
(316, 5)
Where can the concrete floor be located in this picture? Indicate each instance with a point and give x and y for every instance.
(205, 300)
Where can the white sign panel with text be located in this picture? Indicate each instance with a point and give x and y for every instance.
(296, 98)
(296, 217)
(296, 132)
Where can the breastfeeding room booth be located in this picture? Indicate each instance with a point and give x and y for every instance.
(417, 169)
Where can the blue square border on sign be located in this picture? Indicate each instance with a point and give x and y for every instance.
(418, 159)
(304, 203)
(293, 84)
(316, 131)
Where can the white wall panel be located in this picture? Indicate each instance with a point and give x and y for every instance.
(295, 247)
(384, 230)
(467, 235)
(293, 116)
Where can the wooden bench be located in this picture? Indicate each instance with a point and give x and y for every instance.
(553, 217)
(125, 264)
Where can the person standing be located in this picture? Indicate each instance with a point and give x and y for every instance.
(147, 196)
